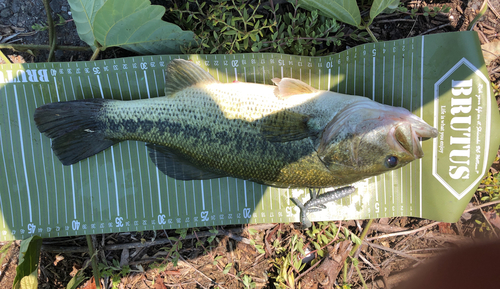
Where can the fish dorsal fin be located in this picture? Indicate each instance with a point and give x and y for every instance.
(181, 74)
(286, 126)
(177, 165)
(290, 86)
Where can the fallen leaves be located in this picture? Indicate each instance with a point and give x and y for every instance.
(491, 51)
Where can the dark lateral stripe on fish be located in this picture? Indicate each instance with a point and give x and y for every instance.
(227, 141)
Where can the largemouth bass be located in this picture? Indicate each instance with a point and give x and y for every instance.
(286, 135)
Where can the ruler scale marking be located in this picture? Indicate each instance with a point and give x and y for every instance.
(43, 164)
(32, 151)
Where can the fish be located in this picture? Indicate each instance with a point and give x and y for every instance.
(287, 135)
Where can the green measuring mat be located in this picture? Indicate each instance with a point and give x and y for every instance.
(440, 78)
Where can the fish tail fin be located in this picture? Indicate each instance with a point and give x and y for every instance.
(74, 127)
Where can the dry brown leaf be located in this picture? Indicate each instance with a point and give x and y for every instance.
(445, 228)
(491, 51)
(159, 283)
(76, 268)
(90, 284)
(493, 218)
(172, 272)
(58, 259)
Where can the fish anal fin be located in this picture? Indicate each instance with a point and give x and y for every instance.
(286, 126)
(175, 164)
(181, 74)
(287, 87)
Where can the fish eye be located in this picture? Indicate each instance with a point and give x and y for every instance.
(391, 162)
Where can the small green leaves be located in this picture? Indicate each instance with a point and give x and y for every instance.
(227, 268)
(247, 282)
(216, 259)
(235, 27)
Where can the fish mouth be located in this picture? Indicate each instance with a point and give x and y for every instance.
(406, 137)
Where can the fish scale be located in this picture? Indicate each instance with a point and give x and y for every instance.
(288, 135)
(208, 132)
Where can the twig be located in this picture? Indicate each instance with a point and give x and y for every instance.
(391, 250)
(76, 249)
(487, 220)
(383, 228)
(308, 270)
(481, 206)
(182, 258)
(435, 28)
(396, 20)
(493, 9)
(404, 232)
(52, 35)
(368, 262)
(4, 40)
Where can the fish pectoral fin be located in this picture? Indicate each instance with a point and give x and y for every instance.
(286, 126)
(181, 74)
(177, 165)
(287, 87)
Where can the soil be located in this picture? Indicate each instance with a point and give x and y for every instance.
(196, 269)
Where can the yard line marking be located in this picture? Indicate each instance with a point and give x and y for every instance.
(373, 80)
(421, 115)
(120, 153)
(220, 198)
(30, 124)
(97, 164)
(53, 164)
(237, 193)
(146, 149)
(245, 191)
(8, 186)
(228, 195)
(194, 197)
(28, 193)
(88, 164)
(157, 171)
(43, 163)
(106, 164)
(202, 196)
(63, 175)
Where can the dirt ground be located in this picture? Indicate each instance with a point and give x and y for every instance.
(382, 266)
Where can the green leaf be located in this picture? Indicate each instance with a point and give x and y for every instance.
(227, 268)
(346, 11)
(380, 5)
(356, 239)
(29, 255)
(76, 280)
(84, 12)
(230, 32)
(30, 281)
(136, 25)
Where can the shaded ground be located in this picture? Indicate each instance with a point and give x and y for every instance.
(196, 269)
